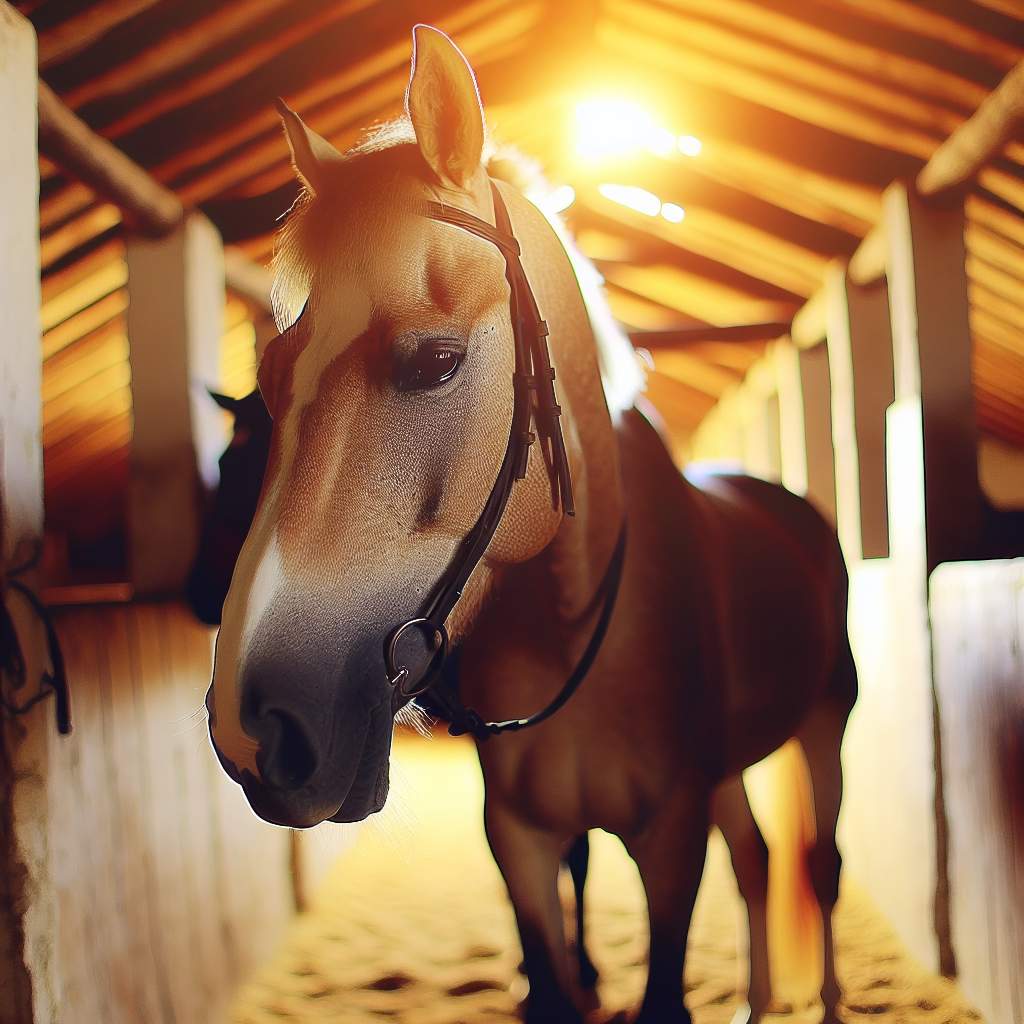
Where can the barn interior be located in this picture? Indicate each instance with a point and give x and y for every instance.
(808, 216)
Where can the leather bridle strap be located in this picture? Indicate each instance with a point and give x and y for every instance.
(534, 401)
(533, 372)
(466, 720)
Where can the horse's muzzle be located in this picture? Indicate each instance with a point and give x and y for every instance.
(310, 766)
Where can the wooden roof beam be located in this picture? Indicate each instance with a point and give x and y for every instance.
(689, 335)
(144, 203)
(639, 246)
(690, 184)
(975, 143)
(73, 34)
(959, 159)
(69, 141)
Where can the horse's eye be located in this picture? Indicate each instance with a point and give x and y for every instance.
(433, 363)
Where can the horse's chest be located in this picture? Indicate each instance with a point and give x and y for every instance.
(562, 786)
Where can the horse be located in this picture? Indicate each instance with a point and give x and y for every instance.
(226, 524)
(666, 630)
(230, 509)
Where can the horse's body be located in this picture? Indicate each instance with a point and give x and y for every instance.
(728, 636)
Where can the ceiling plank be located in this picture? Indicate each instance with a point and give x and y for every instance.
(714, 111)
(708, 234)
(690, 337)
(846, 117)
(162, 54)
(920, 20)
(795, 31)
(201, 80)
(780, 60)
(614, 225)
(693, 295)
(73, 34)
(305, 74)
(695, 372)
(688, 184)
(639, 312)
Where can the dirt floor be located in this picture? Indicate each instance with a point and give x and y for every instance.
(412, 924)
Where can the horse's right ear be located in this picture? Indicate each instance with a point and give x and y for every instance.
(444, 106)
(226, 402)
(312, 154)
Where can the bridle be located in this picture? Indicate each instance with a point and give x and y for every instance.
(534, 404)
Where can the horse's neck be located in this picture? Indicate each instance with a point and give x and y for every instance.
(578, 557)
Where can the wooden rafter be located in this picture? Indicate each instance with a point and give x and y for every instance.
(954, 32)
(791, 29)
(76, 33)
(968, 150)
(806, 111)
(70, 142)
(689, 337)
(639, 246)
(964, 154)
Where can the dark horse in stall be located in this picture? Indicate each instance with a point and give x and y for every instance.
(230, 509)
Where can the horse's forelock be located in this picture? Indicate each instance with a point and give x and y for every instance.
(373, 171)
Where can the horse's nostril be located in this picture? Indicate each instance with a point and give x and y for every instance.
(286, 758)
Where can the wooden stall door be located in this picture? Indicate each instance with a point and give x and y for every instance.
(169, 889)
(977, 613)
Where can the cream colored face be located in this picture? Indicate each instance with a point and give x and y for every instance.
(392, 403)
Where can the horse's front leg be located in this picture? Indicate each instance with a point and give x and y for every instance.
(670, 856)
(529, 860)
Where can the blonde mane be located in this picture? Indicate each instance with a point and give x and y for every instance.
(622, 373)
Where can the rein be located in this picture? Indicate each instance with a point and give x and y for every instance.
(534, 403)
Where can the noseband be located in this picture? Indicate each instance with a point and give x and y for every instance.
(534, 404)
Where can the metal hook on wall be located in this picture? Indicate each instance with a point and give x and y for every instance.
(12, 659)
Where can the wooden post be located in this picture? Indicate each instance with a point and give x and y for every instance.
(935, 516)
(27, 901)
(816, 415)
(932, 363)
(759, 409)
(860, 359)
(805, 424)
(175, 318)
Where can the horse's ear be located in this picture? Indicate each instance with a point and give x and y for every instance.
(444, 107)
(227, 403)
(312, 154)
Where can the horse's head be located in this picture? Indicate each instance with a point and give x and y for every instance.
(230, 512)
(391, 397)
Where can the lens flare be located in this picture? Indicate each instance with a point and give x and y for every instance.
(634, 198)
(614, 127)
(559, 199)
(689, 145)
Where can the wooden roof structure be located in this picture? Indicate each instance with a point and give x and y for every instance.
(805, 109)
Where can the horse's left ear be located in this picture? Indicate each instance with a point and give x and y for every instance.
(444, 107)
(312, 154)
